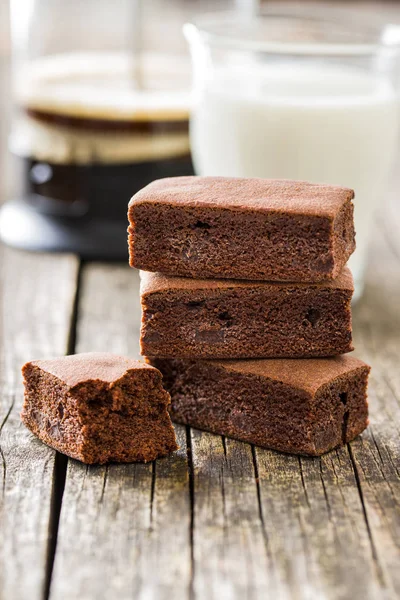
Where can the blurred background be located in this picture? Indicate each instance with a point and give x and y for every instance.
(96, 98)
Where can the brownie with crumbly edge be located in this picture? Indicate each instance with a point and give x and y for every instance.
(234, 228)
(297, 406)
(208, 318)
(98, 408)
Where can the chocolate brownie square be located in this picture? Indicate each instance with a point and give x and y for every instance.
(305, 406)
(257, 229)
(209, 318)
(98, 408)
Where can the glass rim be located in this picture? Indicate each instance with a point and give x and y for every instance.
(228, 29)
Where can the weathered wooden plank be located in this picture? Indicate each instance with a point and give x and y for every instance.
(313, 542)
(109, 310)
(315, 524)
(37, 295)
(124, 529)
(230, 550)
(377, 455)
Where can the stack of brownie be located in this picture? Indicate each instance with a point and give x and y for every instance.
(246, 308)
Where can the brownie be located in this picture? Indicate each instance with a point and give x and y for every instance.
(232, 228)
(305, 406)
(208, 318)
(98, 408)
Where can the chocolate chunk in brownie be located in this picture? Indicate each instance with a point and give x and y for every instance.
(208, 318)
(258, 229)
(98, 408)
(296, 406)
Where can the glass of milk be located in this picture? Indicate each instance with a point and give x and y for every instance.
(292, 94)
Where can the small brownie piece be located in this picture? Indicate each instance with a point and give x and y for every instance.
(98, 408)
(232, 228)
(297, 406)
(194, 318)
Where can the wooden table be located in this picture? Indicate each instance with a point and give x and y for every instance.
(219, 518)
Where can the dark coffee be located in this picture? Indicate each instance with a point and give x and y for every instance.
(90, 199)
(89, 139)
(100, 191)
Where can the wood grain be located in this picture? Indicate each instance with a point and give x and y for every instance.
(231, 554)
(37, 296)
(377, 455)
(124, 529)
(314, 521)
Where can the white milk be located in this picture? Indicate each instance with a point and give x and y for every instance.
(321, 124)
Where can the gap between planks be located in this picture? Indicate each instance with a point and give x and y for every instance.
(115, 334)
(132, 521)
(37, 296)
(61, 461)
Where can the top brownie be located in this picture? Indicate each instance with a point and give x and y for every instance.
(258, 229)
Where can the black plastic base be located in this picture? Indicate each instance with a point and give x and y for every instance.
(23, 227)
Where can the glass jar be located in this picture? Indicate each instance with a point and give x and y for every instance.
(102, 103)
(299, 93)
